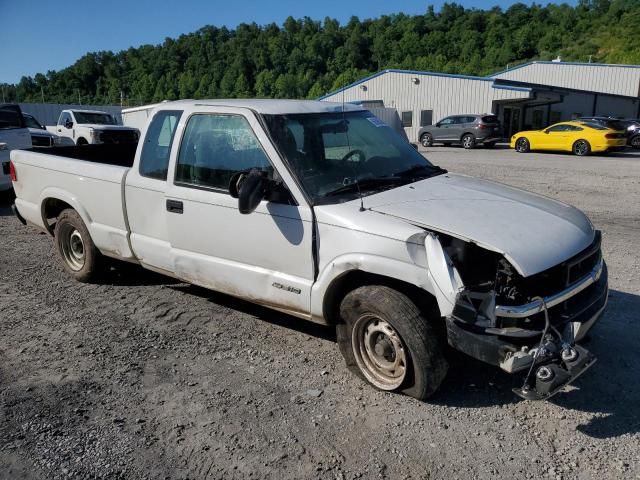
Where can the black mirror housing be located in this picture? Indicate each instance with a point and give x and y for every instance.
(249, 188)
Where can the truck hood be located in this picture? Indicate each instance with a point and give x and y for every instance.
(98, 126)
(533, 232)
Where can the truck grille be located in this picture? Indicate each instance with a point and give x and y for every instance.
(41, 141)
(118, 136)
(556, 278)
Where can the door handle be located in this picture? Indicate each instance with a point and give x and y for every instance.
(175, 206)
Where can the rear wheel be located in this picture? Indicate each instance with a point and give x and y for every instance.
(426, 140)
(522, 145)
(385, 340)
(80, 257)
(581, 148)
(468, 141)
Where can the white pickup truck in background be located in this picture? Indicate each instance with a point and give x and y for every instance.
(86, 127)
(322, 211)
(13, 134)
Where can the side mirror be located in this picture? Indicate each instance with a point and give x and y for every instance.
(68, 124)
(249, 188)
(546, 131)
(437, 124)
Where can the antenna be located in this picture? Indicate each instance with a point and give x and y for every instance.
(346, 132)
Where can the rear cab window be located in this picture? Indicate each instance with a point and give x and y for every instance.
(154, 159)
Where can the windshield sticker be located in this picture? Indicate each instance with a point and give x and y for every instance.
(377, 122)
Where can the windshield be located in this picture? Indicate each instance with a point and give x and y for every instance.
(32, 122)
(335, 156)
(94, 118)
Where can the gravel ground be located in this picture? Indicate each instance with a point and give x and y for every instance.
(144, 377)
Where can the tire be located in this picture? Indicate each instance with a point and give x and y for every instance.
(468, 141)
(397, 335)
(490, 144)
(522, 145)
(81, 141)
(426, 140)
(635, 142)
(80, 257)
(581, 148)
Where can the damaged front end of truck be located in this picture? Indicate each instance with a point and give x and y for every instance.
(529, 325)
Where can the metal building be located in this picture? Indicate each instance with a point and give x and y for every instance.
(529, 96)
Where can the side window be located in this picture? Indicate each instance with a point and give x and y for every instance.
(468, 119)
(426, 118)
(65, 117)
(447, 121)
(558, 128)
(214, 147)
(154, 159)
(407, 119)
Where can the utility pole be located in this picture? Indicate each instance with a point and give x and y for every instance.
(79, 100)
(42, 93)
(121, 98)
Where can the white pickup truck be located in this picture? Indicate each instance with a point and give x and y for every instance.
(321, 211)
(87, 127)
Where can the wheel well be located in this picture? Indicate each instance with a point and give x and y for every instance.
(351, 280)
(81, 140)
(51, 209)
(467, 133)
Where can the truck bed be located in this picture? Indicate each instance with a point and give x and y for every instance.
(106, 154)
(88, 178)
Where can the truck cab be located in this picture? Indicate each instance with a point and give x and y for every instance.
(85, 127)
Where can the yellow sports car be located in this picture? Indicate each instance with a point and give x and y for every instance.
(578, 137)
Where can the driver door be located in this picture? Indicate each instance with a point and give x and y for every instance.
(265, 256)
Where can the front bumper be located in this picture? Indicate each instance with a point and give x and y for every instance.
(572, 313)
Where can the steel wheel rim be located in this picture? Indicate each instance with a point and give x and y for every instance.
(379, 352)
(467, 141)
(72, 247)
(581, 148)
(521, 145)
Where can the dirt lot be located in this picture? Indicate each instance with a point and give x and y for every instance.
(144, 377)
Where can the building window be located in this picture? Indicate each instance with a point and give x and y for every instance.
(426, 118)
(407, 119)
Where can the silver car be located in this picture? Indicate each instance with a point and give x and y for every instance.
(467, 129)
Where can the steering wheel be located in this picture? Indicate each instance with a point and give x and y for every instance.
(354, 152)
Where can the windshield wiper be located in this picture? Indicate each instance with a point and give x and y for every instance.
(423, 171)
(366, 184)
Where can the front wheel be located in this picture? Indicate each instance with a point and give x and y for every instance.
(581, 148)
(386, 340)
(522, 145)
(468, 141)
(635, 142)
(426, 140)
(80, 257)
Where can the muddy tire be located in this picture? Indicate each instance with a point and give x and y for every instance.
(80, 257)
(386, 341)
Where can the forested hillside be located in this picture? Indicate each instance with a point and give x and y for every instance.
(306, 58)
